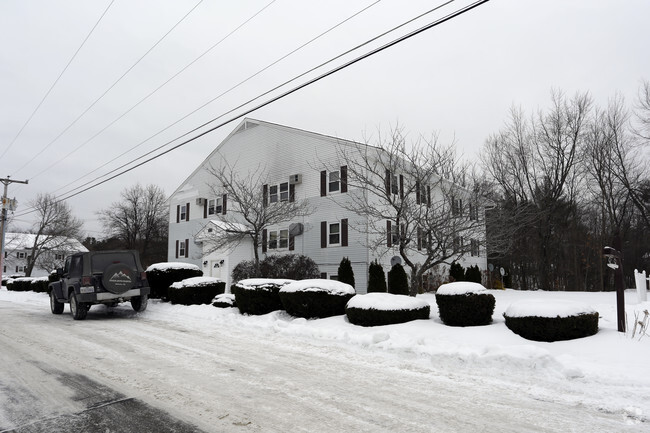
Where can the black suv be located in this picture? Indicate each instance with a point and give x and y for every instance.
(99, 277)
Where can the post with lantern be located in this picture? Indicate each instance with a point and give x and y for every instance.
(615, 262)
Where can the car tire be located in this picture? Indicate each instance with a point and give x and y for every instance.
(78, 309)
(55, 305)
(139, 303)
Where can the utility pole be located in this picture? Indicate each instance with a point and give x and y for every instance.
(6, 203)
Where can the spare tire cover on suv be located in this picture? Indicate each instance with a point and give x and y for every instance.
(118, 278)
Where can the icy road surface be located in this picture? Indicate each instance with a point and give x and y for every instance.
(223, 379)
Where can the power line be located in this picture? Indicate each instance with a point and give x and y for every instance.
(57, 79)
(218, 97)
(38, 153)
(153, 92)
(286, 93)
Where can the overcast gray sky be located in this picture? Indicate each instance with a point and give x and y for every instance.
(459, 79)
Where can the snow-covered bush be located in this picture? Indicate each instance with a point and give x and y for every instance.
(316, 298)
(398, 283)
(21, 284)
(224, 300)
(376, 309)
(39, 284)
(277, 266)
(162, 275)
(465, 304)
(544, 320)
(259, 295)
(195, 290)
(376, 278)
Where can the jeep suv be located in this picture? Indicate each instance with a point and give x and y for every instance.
(99, 277)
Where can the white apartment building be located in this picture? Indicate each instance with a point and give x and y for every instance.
(297, 165)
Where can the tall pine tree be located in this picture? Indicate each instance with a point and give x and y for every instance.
(346, 274)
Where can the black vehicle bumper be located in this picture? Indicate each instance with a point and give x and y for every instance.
(99, 297)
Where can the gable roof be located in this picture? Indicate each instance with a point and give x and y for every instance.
(25, 241)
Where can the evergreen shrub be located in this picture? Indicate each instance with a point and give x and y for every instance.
(376, 278)
(196, 291)
(457, 272)
(278, 266)
(398, 283)
(224, 300)
(465, 304)
(551, 321)
(473, 274)
(162, 275)
(21, 284)
(377, 309)
(258, 296)
(316, 298)
(345, 272)
(39, 285)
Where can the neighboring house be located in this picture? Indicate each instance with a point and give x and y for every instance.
(18, 250)
(299, 165)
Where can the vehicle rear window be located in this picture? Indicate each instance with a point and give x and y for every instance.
(99, 262)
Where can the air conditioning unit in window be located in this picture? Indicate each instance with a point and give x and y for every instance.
(295, 179)
(200, 201)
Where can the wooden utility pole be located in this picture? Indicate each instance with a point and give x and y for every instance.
(6, 204)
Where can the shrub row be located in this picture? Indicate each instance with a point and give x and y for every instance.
(258, 296)
(162, 275)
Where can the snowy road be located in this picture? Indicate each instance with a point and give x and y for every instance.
(241, 380)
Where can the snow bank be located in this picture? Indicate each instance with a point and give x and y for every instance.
(386, 302)
(171, 265)
(547, 308)
(319, 285)
(194, 282)
(460, 288)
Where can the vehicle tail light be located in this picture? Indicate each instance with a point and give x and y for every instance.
(143, 276)
(86, 281)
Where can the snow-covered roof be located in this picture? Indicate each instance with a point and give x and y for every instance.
(171, 265)
(460, 288)
(319, 285)
(386, 302)
(24, 241)
(547, 308)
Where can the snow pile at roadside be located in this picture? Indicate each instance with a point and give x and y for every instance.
(545, 308)
(171, 265)
(195, 282)
(386, 302)
(319, 285)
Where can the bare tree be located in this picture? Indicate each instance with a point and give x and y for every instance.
(413, 198)
(642, 112)
(139, 221)
(56, 230)
(249, 208)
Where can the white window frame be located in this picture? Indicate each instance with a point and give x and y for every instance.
(181, 248)
(284, 191)
(183, 212)
(283, 239)
(330, 233)
(21, 255)
(215, 206)
(273, 240)
(59, 256)
(334, 181)
(273, 194)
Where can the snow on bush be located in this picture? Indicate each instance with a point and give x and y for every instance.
(375, 309)
(224, 300)
(164, 266)
(465, 303)
(39, 284)
(195, 282)
(259, 295)
(544, 320)
(162, 275)
(317, 298)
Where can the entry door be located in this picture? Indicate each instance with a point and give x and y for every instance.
(215, 268)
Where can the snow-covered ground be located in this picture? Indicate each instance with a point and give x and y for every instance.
(607, 373)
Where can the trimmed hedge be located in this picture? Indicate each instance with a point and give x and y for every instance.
(195, 291)
(39, 285)
(369, 315)
(470, 309)
(551, 329)
(316, 298)
(162, 275)
(258, 296)
(224, 300)
(20, 284)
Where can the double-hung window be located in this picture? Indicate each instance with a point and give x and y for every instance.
(183, 212)
(334, 181)
(284, 191)
(273, 194)
(334, 234)
(215, 206)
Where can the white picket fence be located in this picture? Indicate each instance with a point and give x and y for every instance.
(641, 285)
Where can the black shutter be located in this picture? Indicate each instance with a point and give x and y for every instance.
(401, 187)
(265, 195)
(389, 238)
(323, 183)
(417, 192)
(419, 238)
(428, 196)
(292, 192)
(205, 208)
(292, 242)
(264, 232)
(223, 203)
(176, 249)
(344, 232)
(323, 234)
(187, 248)
(344, 178)
(178, 213)
(187, 212)
(387, 182)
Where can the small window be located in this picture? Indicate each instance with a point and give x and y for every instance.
(181, 249)
(335, 234)
(284, 238)
(284, 191)
(394, 187)
(394, 234)
(273, 240)
(211, 206)
(273, 194)
(183, 212)
(334, 181)
(21, 255)
(475, 248)
(58, 256)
